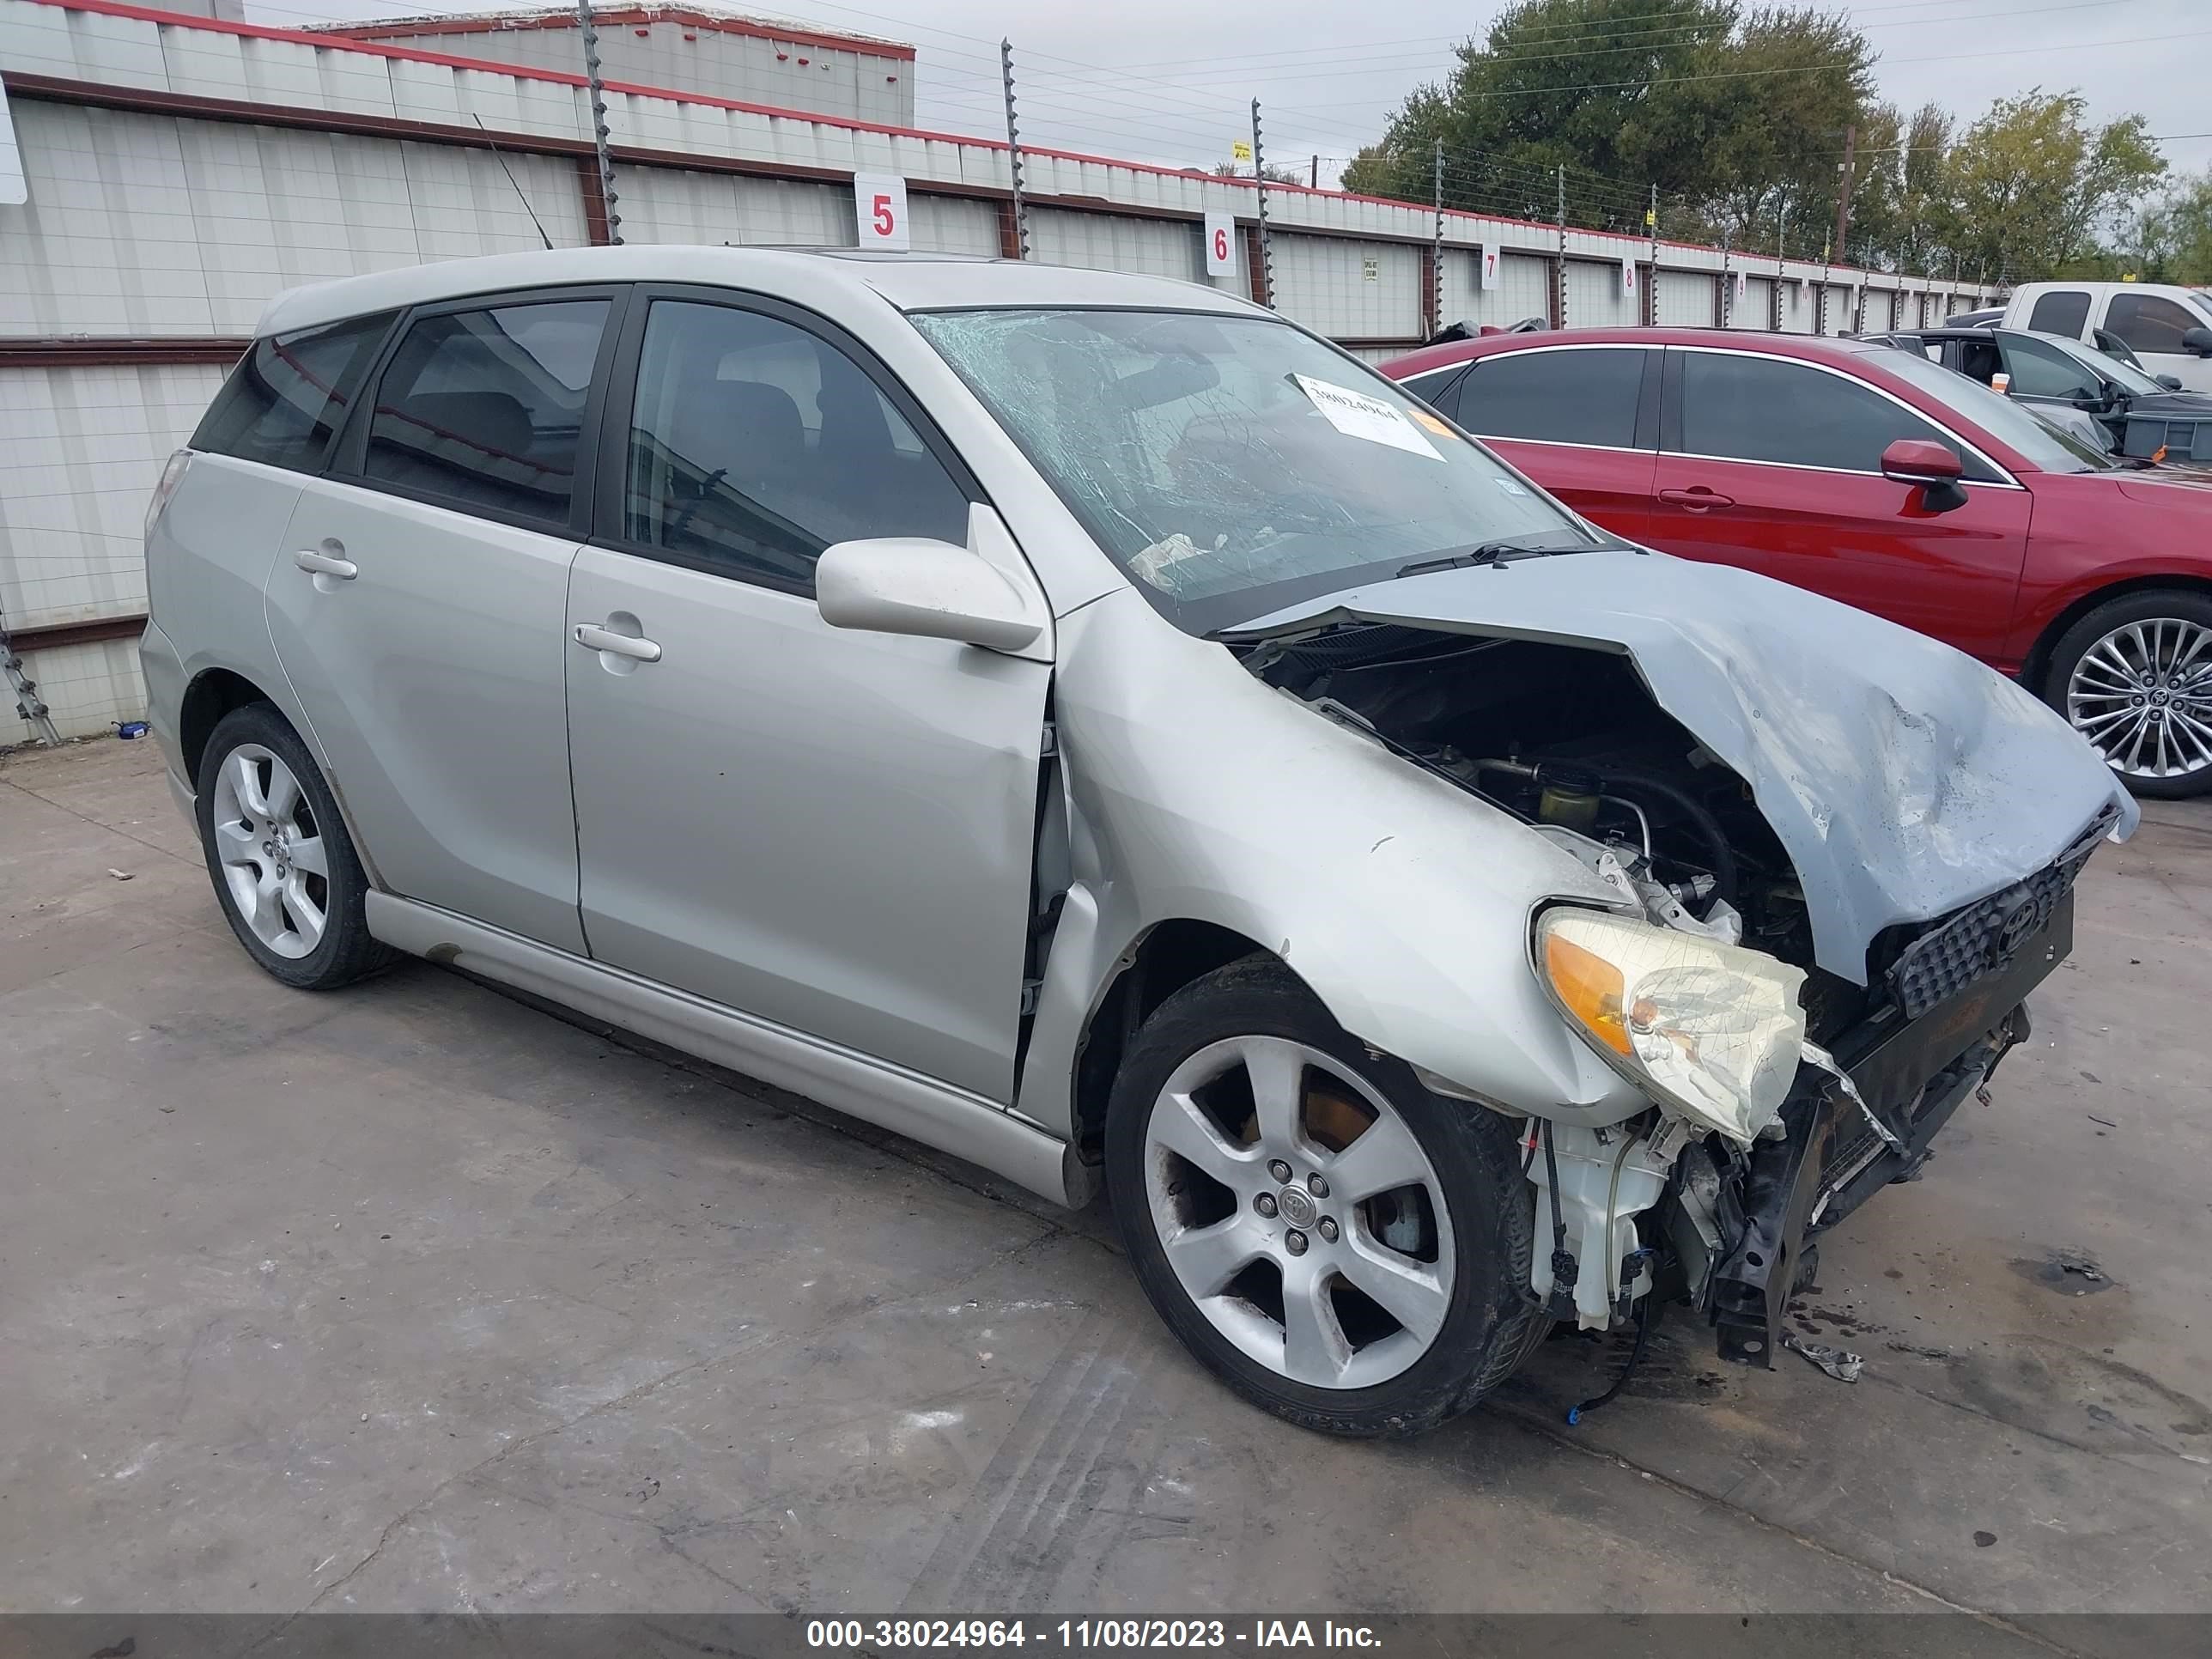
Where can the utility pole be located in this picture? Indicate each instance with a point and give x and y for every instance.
(589, 32)
(1313, 174)
(1260, 180)
(1436, 252)
(1014, 152)
(1560, 266)
(1844, 195)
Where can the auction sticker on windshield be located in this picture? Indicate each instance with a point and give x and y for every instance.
(1356, 415)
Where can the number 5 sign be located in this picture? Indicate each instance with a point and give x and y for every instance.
(1220, 244)
(880, 206)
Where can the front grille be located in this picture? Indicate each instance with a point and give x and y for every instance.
(1984, 937)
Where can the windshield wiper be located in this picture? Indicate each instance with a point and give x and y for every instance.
(1483, 553)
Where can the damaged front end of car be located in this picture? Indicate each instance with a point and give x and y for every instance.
(1839, 857)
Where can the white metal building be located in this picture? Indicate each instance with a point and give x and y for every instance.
(181, 170)
(698, 49)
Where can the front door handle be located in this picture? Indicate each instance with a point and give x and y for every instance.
(326, 564)
(1697, 498)
(592, 637)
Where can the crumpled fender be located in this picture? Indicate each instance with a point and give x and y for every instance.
(1197, 792)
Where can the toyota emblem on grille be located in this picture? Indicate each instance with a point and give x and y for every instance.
(2018, 919)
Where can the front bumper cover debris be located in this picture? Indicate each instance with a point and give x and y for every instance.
(1913, 1073)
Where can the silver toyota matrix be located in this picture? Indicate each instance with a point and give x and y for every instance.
(1092, 725)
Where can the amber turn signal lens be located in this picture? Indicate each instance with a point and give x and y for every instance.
(1590, 987)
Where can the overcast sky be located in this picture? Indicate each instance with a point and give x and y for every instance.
(1172, 81)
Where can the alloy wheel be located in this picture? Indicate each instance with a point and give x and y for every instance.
(270, 851)
(1299, 1212)
(2142, 696)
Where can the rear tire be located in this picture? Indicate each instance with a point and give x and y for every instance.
(1433, 1216)
(2133, 676)
(284, 869)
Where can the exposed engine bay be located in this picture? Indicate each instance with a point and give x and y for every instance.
(1659, 1205)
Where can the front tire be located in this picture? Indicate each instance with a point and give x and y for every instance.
(283, 867)
(2133, 676)
(1379, 1286)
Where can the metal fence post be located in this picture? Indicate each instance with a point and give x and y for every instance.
(589, 33)
(1437, 258)
(1014, 152)
(1260, 181)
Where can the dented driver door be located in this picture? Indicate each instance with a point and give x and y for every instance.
(825, 828)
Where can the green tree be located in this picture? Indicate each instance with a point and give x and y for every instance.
(1737, 116)
(2030, 183)
(1901, 214)
(2172, 240)
(1554, 83)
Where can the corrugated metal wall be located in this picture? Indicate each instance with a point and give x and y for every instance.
(141, 225)
(1594, 296)
(1685, 299)
(1154, 247)
(856, 84)
(145, 225)
(80, 449)
(1353, 289)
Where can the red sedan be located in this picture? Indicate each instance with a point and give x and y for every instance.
(1871, 474)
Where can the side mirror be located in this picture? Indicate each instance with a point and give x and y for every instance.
(2171, 382)
(934, 590)
(1933, 468)
(2198, 340)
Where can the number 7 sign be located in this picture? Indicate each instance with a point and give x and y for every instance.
(879, 208)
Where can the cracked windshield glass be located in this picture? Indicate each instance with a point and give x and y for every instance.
(1234, 466)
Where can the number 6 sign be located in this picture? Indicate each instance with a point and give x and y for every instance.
(1220, 244)
(879, 207)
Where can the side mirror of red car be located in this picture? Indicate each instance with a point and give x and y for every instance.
(1933, 468)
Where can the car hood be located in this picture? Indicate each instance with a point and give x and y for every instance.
(1904, 778)
(2160, 485)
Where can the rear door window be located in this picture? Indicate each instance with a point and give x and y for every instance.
(1586, 395)
(290, 394)
(2060, 312)
(483, 409)
(1739, 407)
(2148, 323)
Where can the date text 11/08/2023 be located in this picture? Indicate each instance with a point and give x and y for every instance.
(1086, 1635)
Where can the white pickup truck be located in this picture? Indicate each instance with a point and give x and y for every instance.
(2168, 328)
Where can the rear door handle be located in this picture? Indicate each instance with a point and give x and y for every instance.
(1697, 498)
(592, 637)
(326, 564)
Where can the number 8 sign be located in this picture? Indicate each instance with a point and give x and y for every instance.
(1220, 244)
(879, 208)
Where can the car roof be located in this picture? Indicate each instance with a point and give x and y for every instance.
(1816, 348)
(910, 281)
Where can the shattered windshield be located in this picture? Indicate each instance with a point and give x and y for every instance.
(1234, 464)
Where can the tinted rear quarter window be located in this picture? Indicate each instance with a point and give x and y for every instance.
(2060, 312)
(484, 409)
(1738, 407)
(1584, 396)
(289, 393)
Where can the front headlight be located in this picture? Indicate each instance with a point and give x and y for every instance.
(1709, 1031)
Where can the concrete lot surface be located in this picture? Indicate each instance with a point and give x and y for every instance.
(416, 1298)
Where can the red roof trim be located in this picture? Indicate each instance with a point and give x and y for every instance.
(329, 40)
(493, 23)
